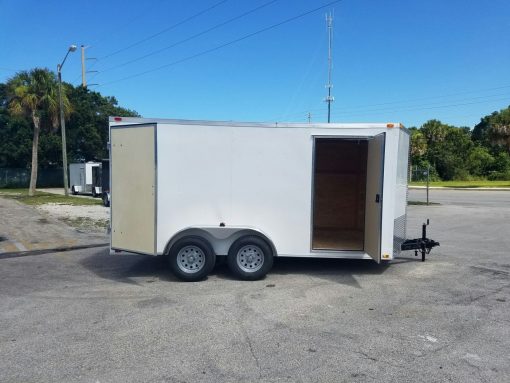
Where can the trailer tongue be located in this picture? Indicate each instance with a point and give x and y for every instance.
(424, 245)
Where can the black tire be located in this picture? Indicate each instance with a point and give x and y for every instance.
(94, 194)
(256, 255)
(200, 255)
(106, 203)
(73, 190)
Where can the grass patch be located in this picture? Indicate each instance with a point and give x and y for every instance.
(465, 184)
(41, 198)
(421, 203)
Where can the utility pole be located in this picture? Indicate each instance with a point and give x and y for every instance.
(84, 70)
(329, 98)
(72, 48)
(309, 116)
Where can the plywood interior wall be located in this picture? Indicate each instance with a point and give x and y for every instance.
(339, 194)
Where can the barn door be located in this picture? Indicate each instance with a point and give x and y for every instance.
(374, 196)
(133, 188)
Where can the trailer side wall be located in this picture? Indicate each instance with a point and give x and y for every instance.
(252, 177)
(242, 177)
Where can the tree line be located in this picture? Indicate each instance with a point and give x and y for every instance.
(29, 122)
(461, 153)
(30, 135)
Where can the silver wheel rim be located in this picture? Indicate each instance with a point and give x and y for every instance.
(250, 258)
(191, 259)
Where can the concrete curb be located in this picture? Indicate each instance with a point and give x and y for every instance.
(457, 188)
(46, 251)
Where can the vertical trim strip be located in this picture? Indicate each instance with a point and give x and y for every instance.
(155, 189)
(383, 159)
(312, 199)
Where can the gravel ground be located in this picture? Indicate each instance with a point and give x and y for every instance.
(94, 212)
(27, 228)
(90, 218)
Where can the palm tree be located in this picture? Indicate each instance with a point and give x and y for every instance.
(34, 94)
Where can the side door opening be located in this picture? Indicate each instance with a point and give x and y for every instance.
(347, 194)
(339, 183)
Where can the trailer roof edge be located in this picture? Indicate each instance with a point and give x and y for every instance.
(276, 124)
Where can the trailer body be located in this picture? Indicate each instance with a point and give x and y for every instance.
(85, 178)
(309, 190)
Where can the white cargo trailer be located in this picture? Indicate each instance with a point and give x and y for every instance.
(194, 190)
(85, 178)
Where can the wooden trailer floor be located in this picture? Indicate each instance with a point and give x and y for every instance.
(326, 239)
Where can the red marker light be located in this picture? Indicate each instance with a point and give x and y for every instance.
(117, 118)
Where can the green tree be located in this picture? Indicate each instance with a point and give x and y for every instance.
(479, 161)
(88, 123)
(434, 131)
(34, 95)
(418, 144)
(448, 149)
(500, 169)
(494, 130)
(451, 155)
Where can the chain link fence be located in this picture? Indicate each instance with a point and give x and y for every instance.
(419, 174)
(20, 178)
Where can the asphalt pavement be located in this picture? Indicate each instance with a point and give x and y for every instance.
(87, 316)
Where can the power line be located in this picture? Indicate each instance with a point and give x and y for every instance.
(226, 44)
(96, 42)
(130, 22)
(313, 60)
(192, 37)
(430, 97)
(194, 16)
(361, 107)
(11, 70)
(425, 108)
(431, 105)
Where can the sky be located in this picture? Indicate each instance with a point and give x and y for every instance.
(266, 60)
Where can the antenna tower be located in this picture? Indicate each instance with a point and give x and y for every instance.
(329, 98)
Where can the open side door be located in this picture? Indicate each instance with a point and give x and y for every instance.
(133, 188)
(374, 197)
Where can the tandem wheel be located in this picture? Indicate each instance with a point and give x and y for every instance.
(106, 202)
(191, 258)
(250, 258)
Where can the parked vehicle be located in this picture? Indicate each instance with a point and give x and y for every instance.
(85, 178)
(195, 190)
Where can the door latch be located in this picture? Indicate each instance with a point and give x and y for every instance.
(377, 198)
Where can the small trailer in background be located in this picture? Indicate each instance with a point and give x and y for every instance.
(85, 178)
(195, 190)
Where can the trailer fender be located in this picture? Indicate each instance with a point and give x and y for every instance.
(220, 238)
